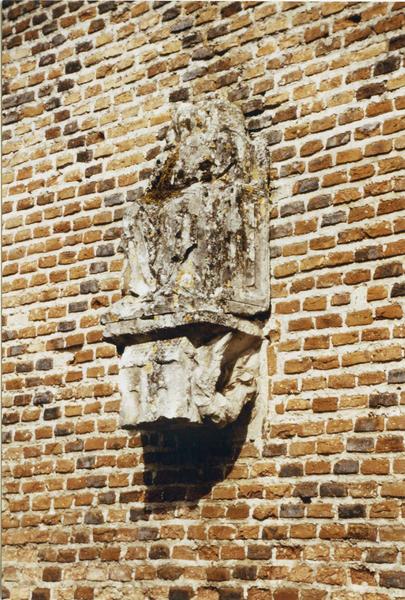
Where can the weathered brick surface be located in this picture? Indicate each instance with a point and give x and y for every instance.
(314, 509)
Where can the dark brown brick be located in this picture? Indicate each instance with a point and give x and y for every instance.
(245, 572)
(389, 64)
(383, 399)
(394, 269)
(96, 25)
(333, 489)
(180, 95)
(259, 552)
(41, 594)
(306, 185)
(396, 43)
(393, 579)
(230, 594)
(285, 594)
(171, 13)
(369, 90)
(84, 593)
(381, 555)
(52, 574)
(291, 470)
(346, 467)
(398, 289)
(352, 511)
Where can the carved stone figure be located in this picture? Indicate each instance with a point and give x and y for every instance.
(196, 285)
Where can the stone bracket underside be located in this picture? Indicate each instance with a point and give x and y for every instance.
(196, 285)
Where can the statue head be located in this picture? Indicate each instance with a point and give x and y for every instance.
(206, 141)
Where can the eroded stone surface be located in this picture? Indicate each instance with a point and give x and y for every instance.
(196, 285)
(174, 379)
(198, 238)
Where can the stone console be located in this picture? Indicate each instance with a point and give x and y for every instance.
(196, 287)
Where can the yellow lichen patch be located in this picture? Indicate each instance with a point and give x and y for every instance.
(162, 188)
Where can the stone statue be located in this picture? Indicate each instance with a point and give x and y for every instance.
(196, 284)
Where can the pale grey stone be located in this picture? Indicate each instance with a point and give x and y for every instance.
(173, 379)
(196, 284)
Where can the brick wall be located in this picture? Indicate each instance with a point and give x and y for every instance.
(313, 510)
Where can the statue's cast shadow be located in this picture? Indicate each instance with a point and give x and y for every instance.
(181, 466)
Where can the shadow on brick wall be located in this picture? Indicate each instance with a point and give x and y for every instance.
(182, 466)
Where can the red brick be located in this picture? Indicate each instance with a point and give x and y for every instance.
(335, 320)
